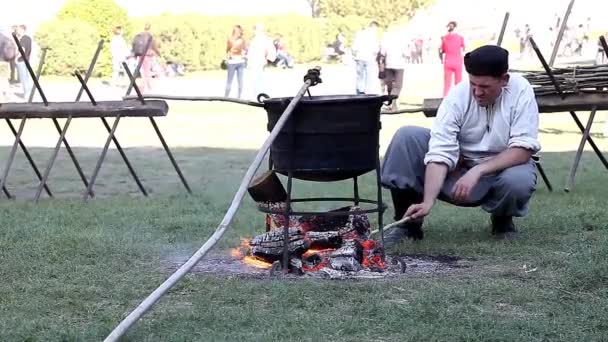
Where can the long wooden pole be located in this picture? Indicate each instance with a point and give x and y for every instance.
(560, 34)
(193, 98)
(503, 29)
(136, 314)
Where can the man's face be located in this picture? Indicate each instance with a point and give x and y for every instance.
(486, 89)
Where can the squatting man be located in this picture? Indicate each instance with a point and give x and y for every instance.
(477, 153)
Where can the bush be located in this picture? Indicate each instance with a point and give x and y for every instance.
(72, 44)
(200, 41)
(348, 25)
(197, 41)
(103, 16)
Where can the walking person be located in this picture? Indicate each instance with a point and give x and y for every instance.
(236, 49)
(365, 52)
(24, 76)
(14, 77)
(395, 52)
(259, 53)
(8, 52)
(140, 42)
(451, 53)
(120, 52)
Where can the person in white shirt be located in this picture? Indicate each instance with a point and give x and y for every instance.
(394, 50)
(120, 53)
(477, 153)
(259, 53)
(366, 47)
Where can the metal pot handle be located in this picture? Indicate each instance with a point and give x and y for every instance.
(387, 100)
(261, 97)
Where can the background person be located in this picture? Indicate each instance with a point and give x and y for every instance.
(452, 47)
(236, 49)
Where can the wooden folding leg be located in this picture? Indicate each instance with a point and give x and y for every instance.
(11, 156)
(541, 170)
(579, 152)
(104, 151)
(140, 185)
(168, 151)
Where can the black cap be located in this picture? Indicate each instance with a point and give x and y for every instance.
(488, 60)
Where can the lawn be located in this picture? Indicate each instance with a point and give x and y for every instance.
(71, 271)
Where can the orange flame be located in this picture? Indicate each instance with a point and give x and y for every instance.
(316, 251)
(256, 262)
(240, 252)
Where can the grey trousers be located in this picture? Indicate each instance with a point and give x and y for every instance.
(505, 193)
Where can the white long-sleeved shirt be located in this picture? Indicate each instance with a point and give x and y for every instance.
(465, 130)
(119, 48)
(366, 45)
(395, 48)
(260, 51)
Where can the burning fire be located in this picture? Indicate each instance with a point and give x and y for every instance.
(256, 262)
(336, 245)
(369, 260)
(241, 252)
(317, 251)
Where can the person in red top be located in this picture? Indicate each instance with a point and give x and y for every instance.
(451, 54)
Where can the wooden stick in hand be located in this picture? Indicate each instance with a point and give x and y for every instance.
(396, 223)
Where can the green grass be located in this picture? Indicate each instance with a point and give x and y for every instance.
(71, 271)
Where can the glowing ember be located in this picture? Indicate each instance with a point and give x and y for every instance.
(338, 244)
(317, 251)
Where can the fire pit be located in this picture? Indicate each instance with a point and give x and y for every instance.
(315, 243)
(326, 139)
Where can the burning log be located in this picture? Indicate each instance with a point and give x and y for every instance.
(269, 246)
(324, 239)
(320, 223)
(358, 226)
(348, 257)
(296, 266)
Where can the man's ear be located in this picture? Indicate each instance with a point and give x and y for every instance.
(505, 79)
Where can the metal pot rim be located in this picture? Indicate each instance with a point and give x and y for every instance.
(321, 99)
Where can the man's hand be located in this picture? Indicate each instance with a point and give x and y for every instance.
(419, 211)
(463, 188)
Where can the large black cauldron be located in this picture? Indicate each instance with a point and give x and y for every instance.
(327, 138)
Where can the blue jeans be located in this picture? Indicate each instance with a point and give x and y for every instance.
(256, 79)
(24, 77)
(237, 68)
(364, 72)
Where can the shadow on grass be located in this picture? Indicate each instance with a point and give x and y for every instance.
(214, 175)
(72, 271)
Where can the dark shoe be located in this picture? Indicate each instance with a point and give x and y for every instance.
(503, 227)
(406, 231)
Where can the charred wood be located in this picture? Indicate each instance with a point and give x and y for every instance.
(324, 239)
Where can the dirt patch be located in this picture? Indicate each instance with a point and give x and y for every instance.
(222, 264)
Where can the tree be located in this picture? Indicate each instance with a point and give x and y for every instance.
(72, 43)
(386, 12)
(103, 15)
